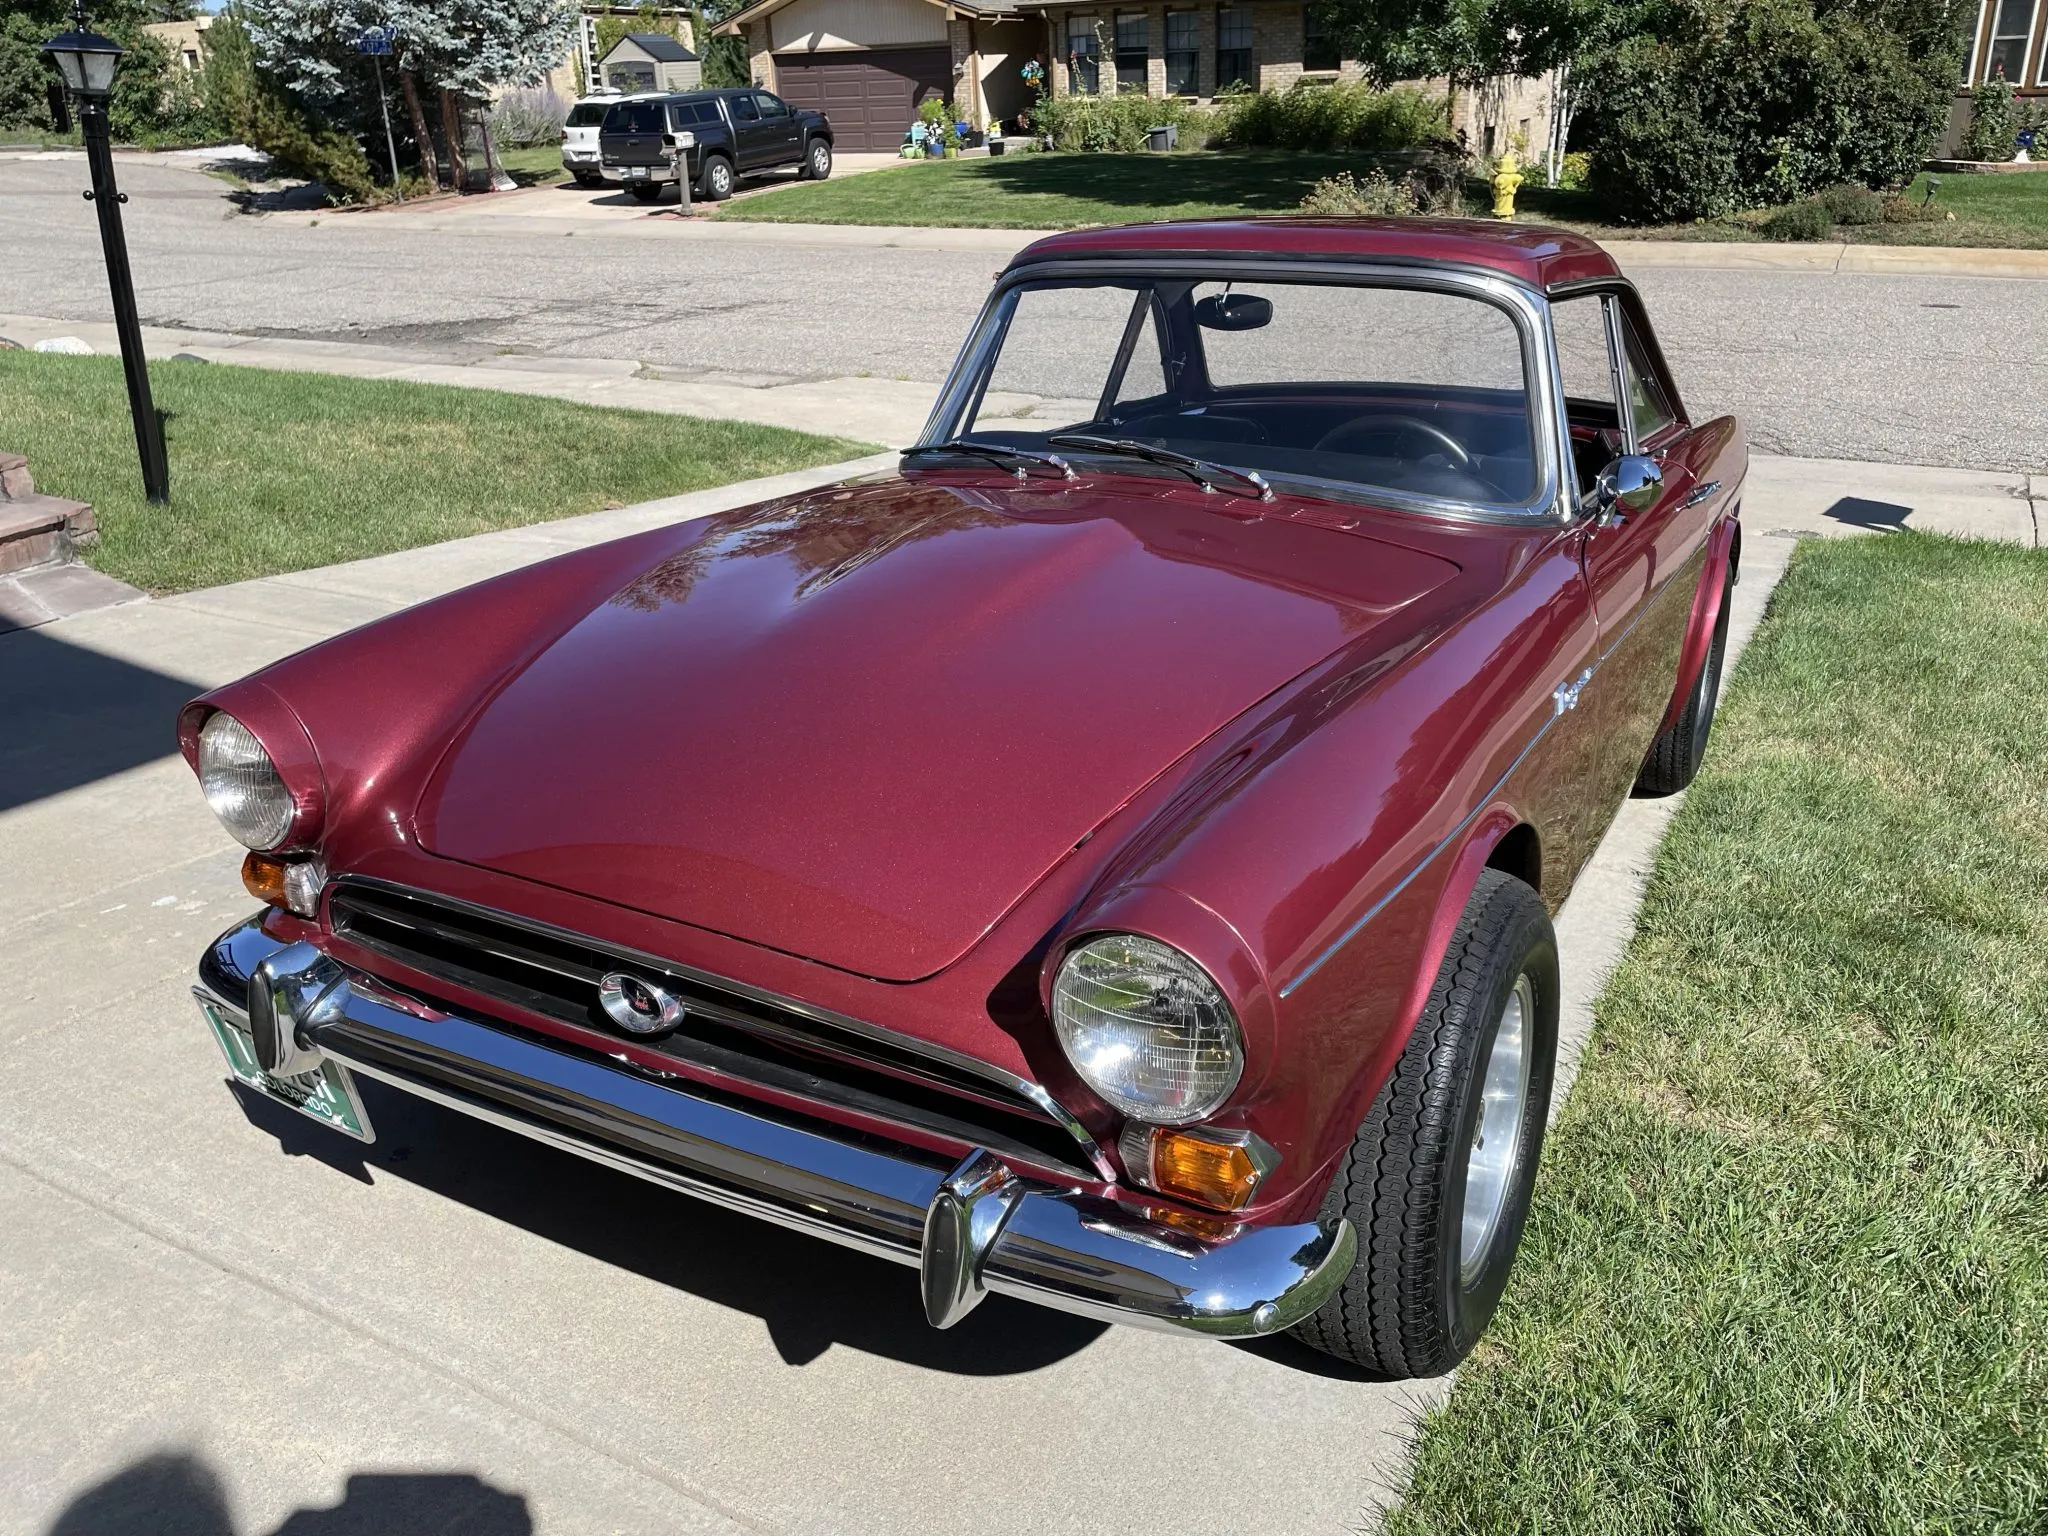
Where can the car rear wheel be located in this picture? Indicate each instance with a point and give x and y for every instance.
(645, 191)
(588, 179)
(1437, 1181)
(717, 178)
(1675, 756)
(818, 161)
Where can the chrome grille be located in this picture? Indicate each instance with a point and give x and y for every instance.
(534, 969)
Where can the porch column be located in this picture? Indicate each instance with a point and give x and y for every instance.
(1155, 51)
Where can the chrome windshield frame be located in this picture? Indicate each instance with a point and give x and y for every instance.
(1553, 498)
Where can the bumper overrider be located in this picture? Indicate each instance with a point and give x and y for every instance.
(978, 1228)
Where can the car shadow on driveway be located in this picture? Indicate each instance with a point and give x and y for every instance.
(73, 716)
(172, 1494)
(809, 1293)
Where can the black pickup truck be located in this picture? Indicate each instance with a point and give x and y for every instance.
(737, 133)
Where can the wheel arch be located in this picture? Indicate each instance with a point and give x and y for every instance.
(1724, 556)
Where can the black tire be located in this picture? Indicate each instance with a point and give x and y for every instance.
(817, 161)
(716, 181)
(585, 179)
(1675, 756)
(645, 191)
(1408, 1307)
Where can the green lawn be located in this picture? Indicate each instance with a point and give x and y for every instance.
(283, 471)
(1059, 191)
(1785, 1271)
(1040, 191)
(537, 165)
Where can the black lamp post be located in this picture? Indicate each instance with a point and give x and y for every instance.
(88, 62)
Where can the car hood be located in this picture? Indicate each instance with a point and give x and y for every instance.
(858, 727)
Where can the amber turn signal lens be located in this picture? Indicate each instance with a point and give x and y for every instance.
(263, 877)
(1219, 1174)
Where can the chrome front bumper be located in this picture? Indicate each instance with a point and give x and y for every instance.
(975, 1229)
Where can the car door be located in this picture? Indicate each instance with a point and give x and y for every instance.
(1641, 567)
(779, 130)
(746, 130)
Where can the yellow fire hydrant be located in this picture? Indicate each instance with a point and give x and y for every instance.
(1505, 180)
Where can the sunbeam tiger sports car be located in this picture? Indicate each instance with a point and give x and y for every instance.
(1108, 861)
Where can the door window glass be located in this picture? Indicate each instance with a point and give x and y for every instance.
(1651, 411)
(744, 110)
(771, 106)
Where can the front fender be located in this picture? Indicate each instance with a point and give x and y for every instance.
(1723, 550)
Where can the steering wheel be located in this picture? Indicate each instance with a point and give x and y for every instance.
(1340, 439)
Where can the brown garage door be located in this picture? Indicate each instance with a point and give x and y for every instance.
(871, 97)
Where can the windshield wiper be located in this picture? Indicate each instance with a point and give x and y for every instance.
(1202, 471)
(997, 453)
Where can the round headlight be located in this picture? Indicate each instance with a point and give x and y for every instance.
(241, 783)
(1147, 1028)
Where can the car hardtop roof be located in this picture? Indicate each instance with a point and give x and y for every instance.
(1528, 253)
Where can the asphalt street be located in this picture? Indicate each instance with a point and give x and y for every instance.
(1899, 369)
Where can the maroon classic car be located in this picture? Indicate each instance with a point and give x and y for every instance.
(1108, 861)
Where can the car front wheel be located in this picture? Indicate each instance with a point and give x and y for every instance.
(718, 179)
(818, 161)
(1437, 1181)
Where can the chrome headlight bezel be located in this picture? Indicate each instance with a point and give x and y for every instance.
(242, 785)
(1147, 1028)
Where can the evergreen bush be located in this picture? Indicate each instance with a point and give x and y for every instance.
(1990, 134)
(1334, 117)
(1118, 123)
(1718, 105)
(1809, 220)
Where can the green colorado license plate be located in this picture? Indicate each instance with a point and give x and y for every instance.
(327, 1094)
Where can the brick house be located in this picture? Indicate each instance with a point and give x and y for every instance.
(869, 63)
(2011, 40)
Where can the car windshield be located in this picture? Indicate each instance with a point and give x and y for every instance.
(1408, 389)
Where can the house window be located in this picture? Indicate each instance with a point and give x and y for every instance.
(1183, 53)
(1318, 46)
(1130, 51)
(1234, 48)
(1084, 56)
(2009, 34)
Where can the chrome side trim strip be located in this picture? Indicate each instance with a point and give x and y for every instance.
(1036, 1093)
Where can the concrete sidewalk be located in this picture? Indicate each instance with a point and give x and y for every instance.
(212, 1299)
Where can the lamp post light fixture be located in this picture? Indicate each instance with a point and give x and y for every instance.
(87, 62)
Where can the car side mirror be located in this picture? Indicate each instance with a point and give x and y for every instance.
(1233, 312)
(1631, 484)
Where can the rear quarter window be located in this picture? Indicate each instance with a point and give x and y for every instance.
(634, 117)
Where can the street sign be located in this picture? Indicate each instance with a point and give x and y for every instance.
(377, 40)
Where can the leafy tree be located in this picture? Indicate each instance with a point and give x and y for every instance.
(148, 77)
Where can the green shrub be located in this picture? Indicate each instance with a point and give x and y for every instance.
(1334, 117)
(1809, 220)
(1990, 134)
(261, 112)
(1899, 208)
(1728, 104)
(1374, 197)
(1853, 203)
(1105, 123)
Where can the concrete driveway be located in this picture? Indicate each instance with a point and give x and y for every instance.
(223, 1319)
